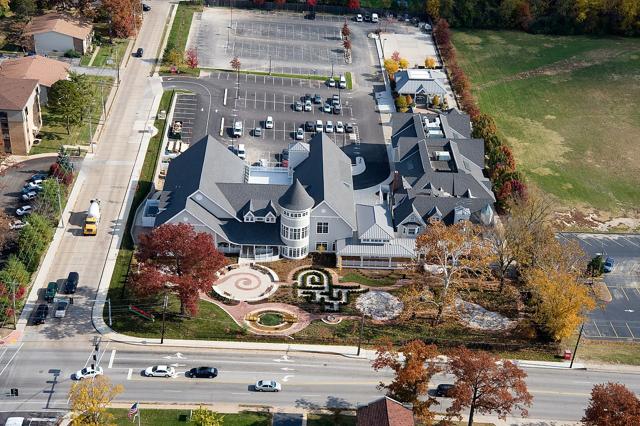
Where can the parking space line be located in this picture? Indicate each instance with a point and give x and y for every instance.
(614, 329)
(629, 328)
(624, 292)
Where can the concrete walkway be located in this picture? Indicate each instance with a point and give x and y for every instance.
(96, 71)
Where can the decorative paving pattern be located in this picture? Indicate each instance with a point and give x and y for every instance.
(475, 316)
(379, 305)
(317, 287)
(245, 283)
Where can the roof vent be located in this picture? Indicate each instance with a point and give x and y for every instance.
(442, 155)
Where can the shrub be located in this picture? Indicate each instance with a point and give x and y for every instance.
(71, 53)
(401, 104)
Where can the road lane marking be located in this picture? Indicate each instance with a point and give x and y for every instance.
(129, 374)
(11, 359)
(113, 355)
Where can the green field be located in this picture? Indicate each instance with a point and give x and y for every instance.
(153, 417)
(569, 106)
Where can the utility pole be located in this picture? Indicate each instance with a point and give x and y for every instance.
(13, 297)
(109, 305)
(361, 333)
(164, 311)
(269, 64)
(90, 130)
(576, 348)
(117, 68)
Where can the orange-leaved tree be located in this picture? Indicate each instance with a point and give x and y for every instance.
(487, 385)
(612, 404)
(454, 251)
(413, 366)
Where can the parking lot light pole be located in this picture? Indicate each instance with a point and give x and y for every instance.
(269, 64)
(573, 357)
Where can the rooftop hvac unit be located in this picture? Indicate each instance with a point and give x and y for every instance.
(442, 156)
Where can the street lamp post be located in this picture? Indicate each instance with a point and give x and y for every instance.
(361, 333)
(573, 357)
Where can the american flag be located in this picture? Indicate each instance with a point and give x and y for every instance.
(133, 411)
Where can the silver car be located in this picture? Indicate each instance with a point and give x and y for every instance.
(160, 371)
(268, 386)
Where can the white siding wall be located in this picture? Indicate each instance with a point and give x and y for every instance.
(338, 228)
(47, 42)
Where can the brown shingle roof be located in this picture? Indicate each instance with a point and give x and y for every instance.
(60, 23)
(15, 92)
(47, 71)
(385, 412)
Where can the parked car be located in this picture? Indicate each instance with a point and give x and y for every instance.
(367, 17)
(203, 372)
(160, 371)
(51, 291)
(297, 106)
(42, 311)
(329, 127)
(240, 152)
(331, 82)
(326, 107)
(257, 132)
(307, 97)
(337, 109)
(61, 309)
(145, 7)
(38, 178)
(32, 186)
(18, 224)
(309, 126)
(348, 128)
(317, 99)
(608, 264)
(267, 386)
(444, 390)
(343, 82)
(308, 106)
(335, 100)
(300, 134)
(24, 210)
(237, 129)
(339, 127)
(71, 283)
(359, 18)
(319, 126)
(88, 373)
(29, 195)
(268, 123)
(139, 52)
(374, 18)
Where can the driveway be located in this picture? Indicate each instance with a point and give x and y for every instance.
(620, 318)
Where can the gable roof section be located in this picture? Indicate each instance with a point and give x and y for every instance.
(410, 83)
(59, 23)
(47, 71)
(326, 176)
(15, 92)
(454, 121)
(385, 412)
(374, 222)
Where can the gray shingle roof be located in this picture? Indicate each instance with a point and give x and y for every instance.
(296, 198)
(374, 222)
(326, 176)
(406, 85)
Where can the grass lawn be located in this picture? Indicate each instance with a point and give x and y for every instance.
(606, 352)
(152, 417)
(113, 51)
(568, 105)
(181, 25)
(330, 420)
(376, 279)
(54, 134)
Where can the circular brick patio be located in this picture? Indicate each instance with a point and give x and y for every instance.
(245, 284)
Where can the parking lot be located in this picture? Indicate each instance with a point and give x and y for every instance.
(620, 318)
(14, 178)
(276, 42)
(185, 111)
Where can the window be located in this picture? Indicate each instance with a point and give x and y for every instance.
(270, 219)
(322, 228)
(295, 252)
(322, 247)
(249, 217)
(295, 214)
(412, 230)
(294, 233)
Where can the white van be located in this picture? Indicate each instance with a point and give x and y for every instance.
(343, 82)
(237, 129)
(241, 152)
(374, 17)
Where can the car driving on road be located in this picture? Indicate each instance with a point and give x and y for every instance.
(268, 386)
(160, 371)
(88, 373)
(203, 372)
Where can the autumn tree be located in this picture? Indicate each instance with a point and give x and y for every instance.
(391, 66)
(235, 64)
(403, 63)
(485, 384)
(347, 45)
(430, 62)
(413, 366)
(89, 400)
(312, 3)
(175, 258)
(353, 4)
(561, 302)
(395, 56)
(280, 3)
(401, 104)
(612, 404)
(191, 58)
(505, 240)
(433, 9)
(205, 417)
(454, 250)
(345, 31)
(436, 101)
(7, 235)
(4, 8)
(125, 16)
(174, 57)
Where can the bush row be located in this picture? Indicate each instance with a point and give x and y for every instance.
(500, 162)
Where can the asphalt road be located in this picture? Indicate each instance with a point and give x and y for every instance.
(620, 318)
(42, 373)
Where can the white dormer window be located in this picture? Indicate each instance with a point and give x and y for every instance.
(270, 218)
(249, 217)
